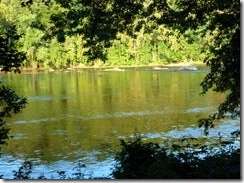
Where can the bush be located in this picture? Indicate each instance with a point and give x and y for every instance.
(147, 160)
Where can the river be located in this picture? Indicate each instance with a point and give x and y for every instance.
(81, 115)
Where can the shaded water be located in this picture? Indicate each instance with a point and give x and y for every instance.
(82, 114)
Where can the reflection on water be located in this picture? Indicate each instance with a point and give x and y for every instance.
(71, 114)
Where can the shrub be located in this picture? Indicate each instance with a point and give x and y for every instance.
(147, 160)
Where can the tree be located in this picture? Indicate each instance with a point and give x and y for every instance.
(10, 60)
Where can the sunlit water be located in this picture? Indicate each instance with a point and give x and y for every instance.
(81, 115)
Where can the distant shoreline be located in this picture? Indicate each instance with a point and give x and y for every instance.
(104, 67)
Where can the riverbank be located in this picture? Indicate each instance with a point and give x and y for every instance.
(154, 66)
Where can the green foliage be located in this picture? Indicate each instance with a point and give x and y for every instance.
(163, 45)
(137, 160)
(80, 39)
(10, 59)
(224, 75)
(10, 103)
(147, 160)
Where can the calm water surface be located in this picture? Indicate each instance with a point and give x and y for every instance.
(82, 114)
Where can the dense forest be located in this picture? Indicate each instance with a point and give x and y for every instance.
(151, 44)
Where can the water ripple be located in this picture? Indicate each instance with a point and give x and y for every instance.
(116, 115)
(33, 121)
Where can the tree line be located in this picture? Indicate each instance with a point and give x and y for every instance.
(37, 21)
